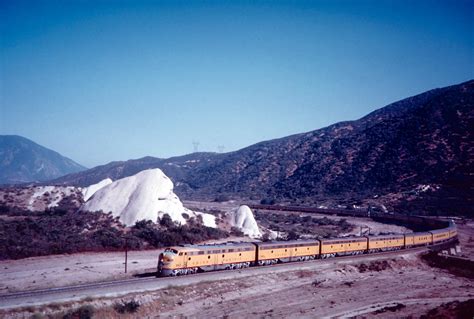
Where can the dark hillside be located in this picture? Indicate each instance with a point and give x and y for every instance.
(425, 139)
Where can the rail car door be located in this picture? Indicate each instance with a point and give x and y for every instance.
(185, 260)
(215, 260)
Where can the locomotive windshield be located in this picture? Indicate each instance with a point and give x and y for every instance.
(171, 250)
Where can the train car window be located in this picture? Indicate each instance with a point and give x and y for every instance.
(185, 253)
(181, 254)
(208, 257)
(240, 254)
(307, 248)
(272, 251)
(189, 258)
(296, 249)
(286, 250)
(223, 256)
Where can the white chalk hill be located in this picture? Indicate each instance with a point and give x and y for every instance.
(144, 196)
(243, 219)
(88, 191)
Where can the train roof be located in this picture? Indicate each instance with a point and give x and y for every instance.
(342, 239)
(227, 245)
(289, 242)
(438, 231)
(417, 234)
(385, 236)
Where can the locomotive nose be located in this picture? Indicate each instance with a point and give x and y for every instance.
(166, 257)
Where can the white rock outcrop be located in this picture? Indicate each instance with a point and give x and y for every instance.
(144, 196)
(88, 191)
(243, 219)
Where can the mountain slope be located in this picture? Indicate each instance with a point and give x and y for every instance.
(22, 161)
(425, 139)
(175, 167)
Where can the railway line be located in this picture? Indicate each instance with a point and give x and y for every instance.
(124, 287)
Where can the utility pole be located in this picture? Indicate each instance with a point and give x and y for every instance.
(126, 253)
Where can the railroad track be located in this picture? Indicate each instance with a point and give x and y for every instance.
(123, 287)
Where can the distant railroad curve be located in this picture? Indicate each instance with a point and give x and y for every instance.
(421, 221)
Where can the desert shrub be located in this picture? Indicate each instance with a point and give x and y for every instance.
(166, 221)
(268, 201)
(83, 312)
(127, 306)
(266, 237)
(58, 231)
(222, 198)
(236, 232)
(170, 234)
(108, 237)
(344, 224)
(292, 235)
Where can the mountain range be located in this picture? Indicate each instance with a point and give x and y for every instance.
(23, 161)
(426, 139)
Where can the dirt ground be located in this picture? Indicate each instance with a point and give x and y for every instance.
(62, 270)
(377, 287)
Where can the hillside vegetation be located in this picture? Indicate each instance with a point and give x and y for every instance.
(422, 140)
(63, 231)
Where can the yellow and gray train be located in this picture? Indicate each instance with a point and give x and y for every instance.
(189, 259)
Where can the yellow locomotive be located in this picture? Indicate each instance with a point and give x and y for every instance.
(189, 259)
(183, 260)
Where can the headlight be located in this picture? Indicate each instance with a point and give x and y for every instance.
(167, 257)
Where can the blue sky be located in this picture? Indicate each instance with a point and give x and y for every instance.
(100, 81)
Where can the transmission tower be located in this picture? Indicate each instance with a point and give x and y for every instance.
(196, 146)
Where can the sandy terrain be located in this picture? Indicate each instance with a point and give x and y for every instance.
(62, 270)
